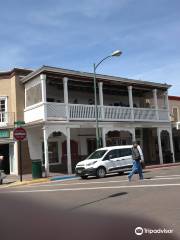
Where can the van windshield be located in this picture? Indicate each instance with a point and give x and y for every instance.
(97, 154)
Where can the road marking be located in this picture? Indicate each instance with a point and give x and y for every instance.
(103, 182)
(167, 176)
(94, 188)
(69, 184)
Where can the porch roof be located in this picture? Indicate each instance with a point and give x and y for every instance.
(89, 76)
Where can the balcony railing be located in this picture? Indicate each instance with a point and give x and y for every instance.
(6, 118)
(59, 111)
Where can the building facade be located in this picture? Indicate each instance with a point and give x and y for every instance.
(174, 105)
(11, 110)
(60, 116)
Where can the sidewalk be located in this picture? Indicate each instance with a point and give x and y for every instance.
(163, 165)
(13, 180)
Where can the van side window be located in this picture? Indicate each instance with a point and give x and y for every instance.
(112, 153)
(125, 152)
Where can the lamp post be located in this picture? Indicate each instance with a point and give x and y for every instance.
(116, 53)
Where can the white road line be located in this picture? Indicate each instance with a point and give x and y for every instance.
(94, 188)
(88, 183)
(167, 176)
(69, 184)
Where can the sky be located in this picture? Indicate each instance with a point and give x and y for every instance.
(74, 34)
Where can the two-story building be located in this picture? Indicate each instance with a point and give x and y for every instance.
(60, 116)
(11, 110)
(174, 105)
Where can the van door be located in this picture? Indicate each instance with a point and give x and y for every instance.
(125, 158)
(110, 160)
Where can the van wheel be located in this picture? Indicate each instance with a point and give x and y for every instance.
(101, 172)
(84, 177)
(1, 182)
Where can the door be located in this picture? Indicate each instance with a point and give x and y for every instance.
(125, 158)
(4, 150)
(74, 152)
(110, 160)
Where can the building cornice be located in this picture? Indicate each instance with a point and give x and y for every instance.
(100, 77)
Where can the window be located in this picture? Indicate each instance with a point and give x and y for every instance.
(97, 154)
(175, 114)
(3, 109)
(53, 152)
(33, 95)
(125, 152)
(2, 105)
(112, 154)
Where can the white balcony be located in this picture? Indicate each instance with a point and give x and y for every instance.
(83, 112)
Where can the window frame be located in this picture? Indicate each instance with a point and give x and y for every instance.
(4, 98)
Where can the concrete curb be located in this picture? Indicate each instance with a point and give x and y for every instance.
(40, 180)
(162, 166)
(64, 178)
(23, 183)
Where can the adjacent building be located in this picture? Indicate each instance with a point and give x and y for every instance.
(174, 104)
(11, 110)
(60, 116)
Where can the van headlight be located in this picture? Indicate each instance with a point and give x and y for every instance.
(92, 163)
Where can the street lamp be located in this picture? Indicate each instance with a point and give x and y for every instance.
(116, 53)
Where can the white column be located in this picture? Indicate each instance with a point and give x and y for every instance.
(101, 100)
(131, 101)
(171, 144)
(65, 83)
(69, 166)
(44, 98)
(46, 153)
(133, 134)
(167, 104)
(159, 145)
(104, 137)
(155, 102)
(166, 100)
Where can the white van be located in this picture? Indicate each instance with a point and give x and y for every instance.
(106, 160)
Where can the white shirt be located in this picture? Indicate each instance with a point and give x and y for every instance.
(140, 152)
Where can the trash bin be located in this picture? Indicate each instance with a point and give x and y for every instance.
(36, 169)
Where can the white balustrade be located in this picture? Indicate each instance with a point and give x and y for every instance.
(112, 113)
(82, 111)
(57, 111)
(144, 114)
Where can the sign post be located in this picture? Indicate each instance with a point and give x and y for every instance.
(19, 134)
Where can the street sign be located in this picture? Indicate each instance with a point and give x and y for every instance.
(19, 133)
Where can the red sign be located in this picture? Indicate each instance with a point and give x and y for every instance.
(19, 133)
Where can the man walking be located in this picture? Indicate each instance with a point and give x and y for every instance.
(137, 156)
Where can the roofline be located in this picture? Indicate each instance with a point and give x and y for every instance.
(45, 69)
(176, 98)
(14, 71)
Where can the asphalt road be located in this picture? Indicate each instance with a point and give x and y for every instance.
(109, 208)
